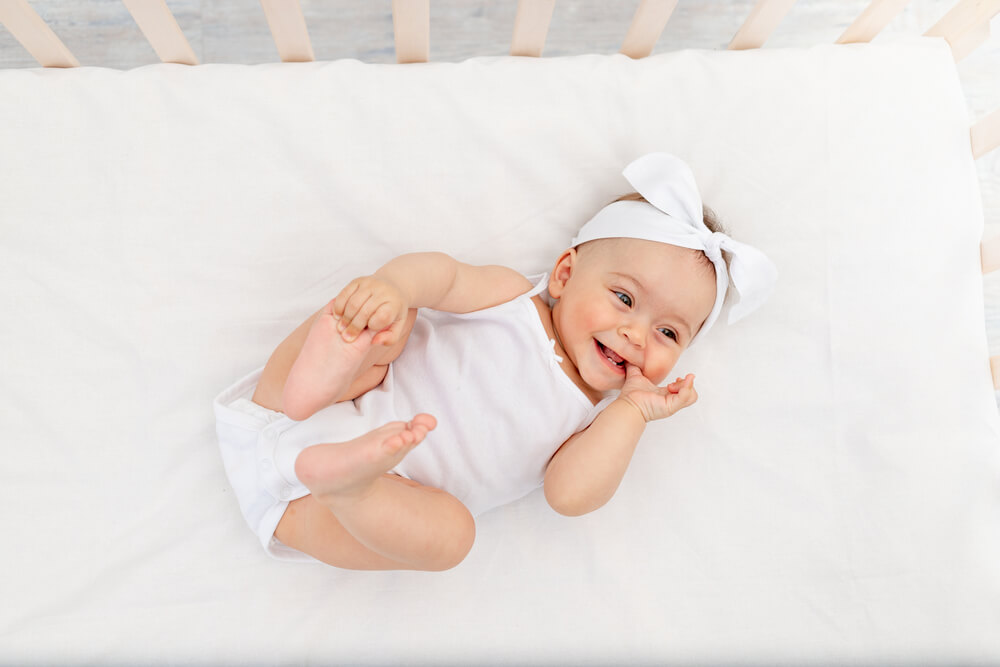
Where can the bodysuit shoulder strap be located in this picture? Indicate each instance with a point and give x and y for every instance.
(541, 282)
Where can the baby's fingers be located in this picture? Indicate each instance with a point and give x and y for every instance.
(391, 335)
(687, 393)
(351, 325)
(340, 302)
(389, 328)
(678, 384)
(383, 317)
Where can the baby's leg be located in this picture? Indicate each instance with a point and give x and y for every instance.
(360, 518)
(314, 367)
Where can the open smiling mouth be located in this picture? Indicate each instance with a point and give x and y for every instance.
(613, 358)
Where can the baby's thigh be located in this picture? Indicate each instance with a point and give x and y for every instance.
(310, 527)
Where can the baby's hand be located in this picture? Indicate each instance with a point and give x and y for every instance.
(657, 402)
(374, 303)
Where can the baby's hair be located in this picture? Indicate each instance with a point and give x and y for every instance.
(708, 217)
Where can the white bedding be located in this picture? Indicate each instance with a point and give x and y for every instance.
(833, 495)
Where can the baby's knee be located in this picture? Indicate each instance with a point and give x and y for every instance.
(457, 544)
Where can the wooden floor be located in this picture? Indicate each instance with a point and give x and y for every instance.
(102, 33)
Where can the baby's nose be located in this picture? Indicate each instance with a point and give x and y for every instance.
(632, 334)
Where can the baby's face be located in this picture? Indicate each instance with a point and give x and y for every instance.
(629, 300)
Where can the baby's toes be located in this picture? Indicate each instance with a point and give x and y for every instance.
(425, 421)
(393, 444)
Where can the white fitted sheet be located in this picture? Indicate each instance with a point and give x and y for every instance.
(833, 495)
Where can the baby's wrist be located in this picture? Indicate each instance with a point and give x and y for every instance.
(397, 285)
(635, 407)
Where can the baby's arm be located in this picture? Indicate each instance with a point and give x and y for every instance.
(421, 280)
(586, 470)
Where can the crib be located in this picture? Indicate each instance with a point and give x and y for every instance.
(832, 498)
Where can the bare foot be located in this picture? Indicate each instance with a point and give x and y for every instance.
(324, 368)
(346, 471)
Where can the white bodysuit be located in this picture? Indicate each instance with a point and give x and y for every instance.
(491, 379)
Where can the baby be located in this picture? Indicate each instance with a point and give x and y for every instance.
(438, 390)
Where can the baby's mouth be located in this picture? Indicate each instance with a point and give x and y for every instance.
(610, 355)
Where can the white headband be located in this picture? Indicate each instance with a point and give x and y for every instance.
(673, 215)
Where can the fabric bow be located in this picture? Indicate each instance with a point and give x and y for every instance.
(674, 215)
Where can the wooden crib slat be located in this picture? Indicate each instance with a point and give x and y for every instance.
(968, 41)
(411, 27)
(989, 253)
(966, 26)
(531, 26)
(647, 25)
(872, 21)
(35, 35)
(161, 30)
(288, 29)
(986, 134)
(763, 19)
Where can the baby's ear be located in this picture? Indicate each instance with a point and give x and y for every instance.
(561, 272)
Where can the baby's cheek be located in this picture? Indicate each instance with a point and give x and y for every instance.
(659, 372)
(593, 319)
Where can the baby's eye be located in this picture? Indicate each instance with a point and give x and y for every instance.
(625, 298)
(668, 333)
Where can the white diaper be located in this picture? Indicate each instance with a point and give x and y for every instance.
(259, 447)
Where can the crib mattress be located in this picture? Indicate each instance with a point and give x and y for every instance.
(832, 497)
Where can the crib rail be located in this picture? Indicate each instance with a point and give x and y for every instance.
(990, 256)
(648, 23)
(872, 20)
(411, 23)
(965, 27)
(764, 18)
(160, 28)
(35, 35)
(288, 29)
